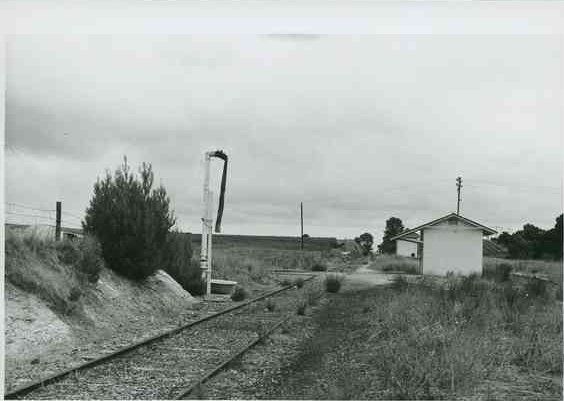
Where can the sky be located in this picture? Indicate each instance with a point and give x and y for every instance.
(359, 128)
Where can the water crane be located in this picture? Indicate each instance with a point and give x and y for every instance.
(207, 219)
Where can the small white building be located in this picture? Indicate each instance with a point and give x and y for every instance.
(449, 244)
(408, 246)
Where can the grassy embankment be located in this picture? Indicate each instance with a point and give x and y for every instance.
(56, 272)
(469, 337)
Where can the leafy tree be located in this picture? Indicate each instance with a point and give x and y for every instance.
(533, 242)
(394, 226)
(365, 241)
(131, 219)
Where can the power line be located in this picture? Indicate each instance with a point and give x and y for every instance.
(29, 207)
(30, 215)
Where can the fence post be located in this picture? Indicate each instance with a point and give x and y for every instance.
(58, 223)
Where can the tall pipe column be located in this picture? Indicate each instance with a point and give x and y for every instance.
(205, 252)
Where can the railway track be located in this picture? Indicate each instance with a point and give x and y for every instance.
(171, 364)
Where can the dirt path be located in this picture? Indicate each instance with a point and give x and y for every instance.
(363, 278)
(334, 363)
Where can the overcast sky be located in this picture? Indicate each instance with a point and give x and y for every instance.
(359, 128)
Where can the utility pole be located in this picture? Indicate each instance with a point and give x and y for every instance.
(458, 186)
(302, 223)
(58, 222)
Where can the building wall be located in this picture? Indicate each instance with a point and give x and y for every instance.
(406, 248)
(456, 248)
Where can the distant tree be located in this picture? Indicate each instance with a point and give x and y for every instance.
(553, 240)
(533, 242)
(394, 226)
(131, 220)
(365, 241)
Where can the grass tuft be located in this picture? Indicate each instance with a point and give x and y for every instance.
(333, 282)
(238, 294)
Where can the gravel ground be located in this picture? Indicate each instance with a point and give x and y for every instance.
(163, 368)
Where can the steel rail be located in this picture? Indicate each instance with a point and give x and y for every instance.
(25, 389)
(218, 368)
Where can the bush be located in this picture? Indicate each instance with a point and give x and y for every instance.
(131, 220)
(301, 309)
(178, 263)
(270, 305)
(333, 283)
(299, 282)
(499, 273)
(399, 283)
(319, 267)
(536, 288)
(285, 282)
(238, 294)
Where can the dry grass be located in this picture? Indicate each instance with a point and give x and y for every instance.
(442, 342)
(395, 263)
(551, 270)
(250, 266)
(468, 338)
(54, 271)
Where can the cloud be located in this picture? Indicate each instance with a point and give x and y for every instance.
(359, 128)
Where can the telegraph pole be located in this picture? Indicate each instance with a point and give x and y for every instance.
(458, 186)
(302, 223)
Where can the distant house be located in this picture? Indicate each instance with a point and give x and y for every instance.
(408, 246)
(451, 243)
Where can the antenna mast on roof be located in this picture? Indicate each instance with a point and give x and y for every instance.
(458, 186)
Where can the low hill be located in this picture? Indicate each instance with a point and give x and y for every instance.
(268, 242)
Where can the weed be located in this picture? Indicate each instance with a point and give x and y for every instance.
(319, 267)
(302, 305)
(399, 283)
(499, 273)
(536, 288)
(333, 282)
(238, 294)
(285, 282)
(270, 305)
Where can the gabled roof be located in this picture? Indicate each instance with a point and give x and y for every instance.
(486, 230)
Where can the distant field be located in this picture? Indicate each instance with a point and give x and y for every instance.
(548, 269)
(267, 242)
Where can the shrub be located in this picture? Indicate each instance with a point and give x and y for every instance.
(285, 282)
(536, 288)
(333, 283)
(238, 294)
(302, 305)
(319, 267)
(299, 282)
(84, 254)
(178, 262)
(270, 305)
(399, 283)
(131, 220)
(499, 273)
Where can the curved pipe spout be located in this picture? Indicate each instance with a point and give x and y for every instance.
(220, 155)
